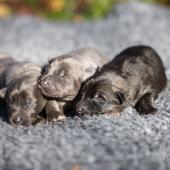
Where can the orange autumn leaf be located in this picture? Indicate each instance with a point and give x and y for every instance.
(76, 167)
(56, 5)
(4, 10)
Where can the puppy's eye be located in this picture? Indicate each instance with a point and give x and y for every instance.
(99, 96)
(62, 74)
(31, 103)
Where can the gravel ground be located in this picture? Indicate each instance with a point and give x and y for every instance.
(128, 142)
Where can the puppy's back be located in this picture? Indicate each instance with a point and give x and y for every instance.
(5, 62)
(19, 70)
(88, 56)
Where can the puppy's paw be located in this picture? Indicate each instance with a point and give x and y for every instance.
(54, 116)
(113, 114)
(61, 117)
(147, 109)
(146, 104)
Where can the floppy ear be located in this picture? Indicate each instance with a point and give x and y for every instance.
(3, 92)
(98, 69)
(50, 60)
(88, 72)
(44, 68)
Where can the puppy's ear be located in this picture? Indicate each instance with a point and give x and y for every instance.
(86, 73)
(2, 92)
(120, 98)
(98, 69)
(50, 60)
(44, 68)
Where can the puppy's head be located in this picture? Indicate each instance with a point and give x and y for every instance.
(100, 96)
(62, 78)
(24, 101)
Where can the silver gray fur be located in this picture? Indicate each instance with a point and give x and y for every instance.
(129, 142)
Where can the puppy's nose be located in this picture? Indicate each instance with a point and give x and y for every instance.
(80, 110)
(17, 120)
(45, 83)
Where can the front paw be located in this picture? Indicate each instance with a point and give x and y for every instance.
(55, 116)
(143, 110)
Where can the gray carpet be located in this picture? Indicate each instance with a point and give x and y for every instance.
(128, 142)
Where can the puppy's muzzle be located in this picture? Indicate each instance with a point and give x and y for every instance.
(46, 83)
(80, 110)
(20, 120)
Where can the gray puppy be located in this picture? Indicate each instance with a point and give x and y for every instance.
(19, 87)
(134, 77)
(63, 75)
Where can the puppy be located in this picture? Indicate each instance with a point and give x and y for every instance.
(63, 76)
(134, 77)
(19, 87)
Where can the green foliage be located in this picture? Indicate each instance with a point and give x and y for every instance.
(32, 3)
(63, 16)
(163, 2)
(64, 9)
(80, 10)
(98, 8)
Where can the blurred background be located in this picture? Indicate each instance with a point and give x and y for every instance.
(64, 10)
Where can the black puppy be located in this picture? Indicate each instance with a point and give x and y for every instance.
(134, 77)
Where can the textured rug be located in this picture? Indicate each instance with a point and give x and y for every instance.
(128, 142)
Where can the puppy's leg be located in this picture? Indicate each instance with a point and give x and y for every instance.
(146, 104)
(54, 110)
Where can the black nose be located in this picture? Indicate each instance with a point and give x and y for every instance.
(45, 83)
(17, 120)
(80, 110)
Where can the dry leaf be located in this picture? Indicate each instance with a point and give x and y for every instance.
(57, 5)
(76, 167)
(4, 10)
